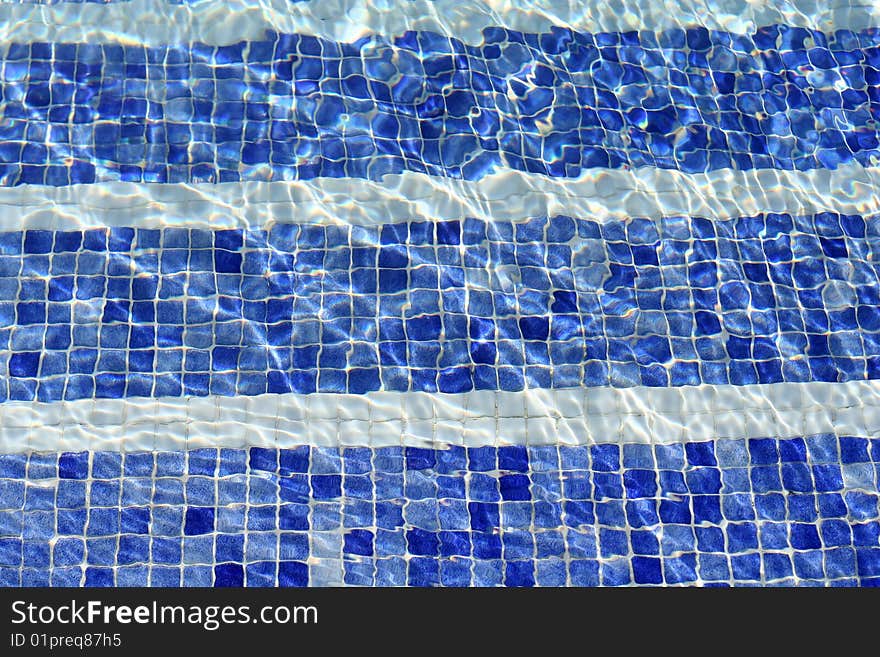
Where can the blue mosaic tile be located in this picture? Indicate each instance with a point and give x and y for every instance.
(556, 103)
(591, 534)
(125, 312)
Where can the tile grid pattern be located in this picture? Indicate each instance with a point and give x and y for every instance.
(451, 307)
(557, 104)
(441, 307)
(740, 512)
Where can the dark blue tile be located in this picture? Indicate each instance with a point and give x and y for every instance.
(228, 575)
(199, 521)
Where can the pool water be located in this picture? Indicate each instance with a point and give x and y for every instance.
(415, 293)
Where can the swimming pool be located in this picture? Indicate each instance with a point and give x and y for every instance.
(422, 293)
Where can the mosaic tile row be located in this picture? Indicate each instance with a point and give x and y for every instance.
(557, 103)
(762, 511)
(449, 306)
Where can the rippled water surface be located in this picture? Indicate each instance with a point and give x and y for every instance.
(423, 293)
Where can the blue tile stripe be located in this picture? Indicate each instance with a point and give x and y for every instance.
(301, 107)
(447, 306)
(760, 511)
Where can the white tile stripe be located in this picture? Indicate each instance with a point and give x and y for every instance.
(601, 195)
(155, 22)
(570, 416)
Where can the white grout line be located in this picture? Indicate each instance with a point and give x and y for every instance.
(534, 417)
(601, 195)
(155, 22)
